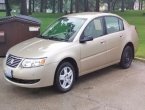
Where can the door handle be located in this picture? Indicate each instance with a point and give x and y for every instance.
(102, 42)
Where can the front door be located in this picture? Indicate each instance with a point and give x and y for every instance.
(93, 53)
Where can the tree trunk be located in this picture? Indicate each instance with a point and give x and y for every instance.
(71, 6)
(97, 5)
(60, 6)
(53, 6)
(141, 4)
(8, 8)
(41, 6)
(131, 5)
(65, 7)
(33, 5)
(23, 9)
(45, 5)
(77, 6)
(30, 9)
(122, 5)
(109, 5)
(114, 4)
(86, 5)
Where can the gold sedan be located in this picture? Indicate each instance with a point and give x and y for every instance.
(72, 46)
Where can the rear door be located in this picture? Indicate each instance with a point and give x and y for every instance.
(114, 37)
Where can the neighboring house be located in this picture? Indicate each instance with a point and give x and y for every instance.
(136, 5)
(2, 5)
(104, 7)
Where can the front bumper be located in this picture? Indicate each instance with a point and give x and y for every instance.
(32, 77)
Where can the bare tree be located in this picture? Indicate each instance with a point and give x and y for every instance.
(122, 5)
(86, 5)
(41, 5)
(77, 6)
(33, 5)
(71, 6)
(130, 4)
(8, 8)
(61, 6)
(109, 5)
(53, 6)
(142, 4)
(30, 8)
(97, 5)
(45, 5)
(23, 9)
(113, 4)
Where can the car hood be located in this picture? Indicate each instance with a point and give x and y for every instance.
(37, 47)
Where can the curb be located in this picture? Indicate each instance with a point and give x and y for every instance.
(140, 59)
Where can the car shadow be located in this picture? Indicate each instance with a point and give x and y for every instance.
(33, 92)
(97, 74)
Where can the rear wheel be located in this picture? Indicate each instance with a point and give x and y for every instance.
(127, 57)
(65, 77)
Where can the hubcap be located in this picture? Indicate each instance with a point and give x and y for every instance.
(66, 77)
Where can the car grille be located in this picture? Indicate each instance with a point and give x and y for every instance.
(13, 61)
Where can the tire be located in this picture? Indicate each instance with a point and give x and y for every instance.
(127, 57)
(64, 77)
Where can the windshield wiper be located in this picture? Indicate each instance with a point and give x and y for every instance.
(39, 36)
(55, 38)
(52, 38)
(43, 37)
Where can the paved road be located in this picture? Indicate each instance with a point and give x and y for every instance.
(108, 89)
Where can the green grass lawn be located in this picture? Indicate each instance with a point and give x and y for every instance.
(133, 17)
(2, 14)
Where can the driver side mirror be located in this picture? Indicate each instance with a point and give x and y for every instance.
(85, 39)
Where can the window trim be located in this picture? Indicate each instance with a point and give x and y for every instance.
(119, 19)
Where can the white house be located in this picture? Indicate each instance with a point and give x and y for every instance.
(2, 5)
(104, 7)
(136, 5)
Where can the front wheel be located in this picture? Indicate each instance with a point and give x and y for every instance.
(127, 57)
(65, 77)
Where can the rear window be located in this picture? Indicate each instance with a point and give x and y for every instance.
(121, 25)
(112, 24)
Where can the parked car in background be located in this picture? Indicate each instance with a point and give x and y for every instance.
(72, 46)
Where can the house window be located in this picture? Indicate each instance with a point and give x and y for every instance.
(2, 5)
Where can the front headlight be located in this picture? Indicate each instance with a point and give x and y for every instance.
(29, 63)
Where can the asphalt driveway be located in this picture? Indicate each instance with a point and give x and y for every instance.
(108, 89)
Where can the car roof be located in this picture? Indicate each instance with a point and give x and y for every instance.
(89, 15)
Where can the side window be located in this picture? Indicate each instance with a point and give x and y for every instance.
(121, 25)
(94, 28)
(112, 24)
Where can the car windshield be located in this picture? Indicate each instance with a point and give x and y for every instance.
(64, 29)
